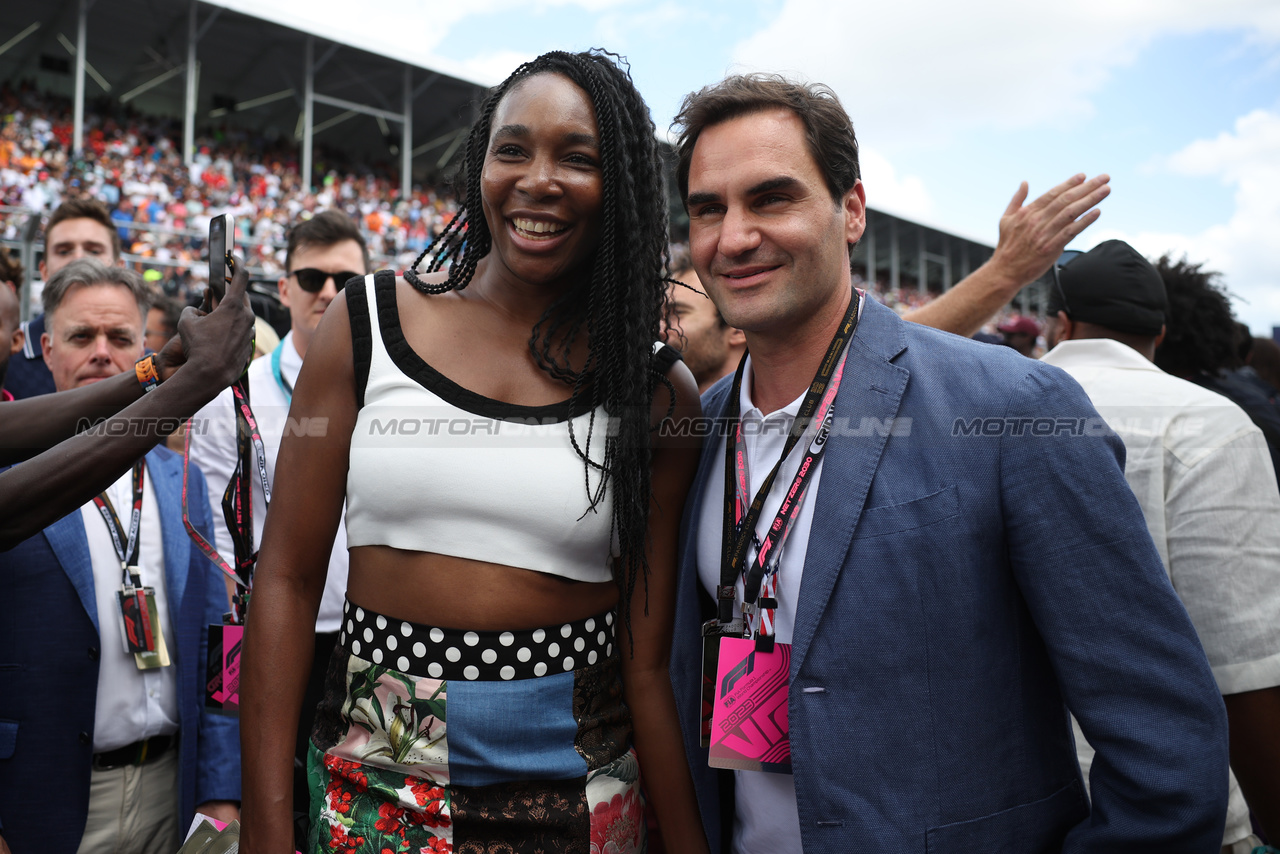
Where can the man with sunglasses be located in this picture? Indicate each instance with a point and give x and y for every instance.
(322, 254)
(1203, 477)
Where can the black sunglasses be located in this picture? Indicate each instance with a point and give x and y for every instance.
(312, 280)
(1063, 260)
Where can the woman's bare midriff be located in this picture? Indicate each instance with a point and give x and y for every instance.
(449, 592)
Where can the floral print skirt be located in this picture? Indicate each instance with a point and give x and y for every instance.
(441, 740)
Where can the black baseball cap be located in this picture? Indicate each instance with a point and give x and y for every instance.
(1112, 285)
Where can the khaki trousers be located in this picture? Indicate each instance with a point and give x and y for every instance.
(134, 810)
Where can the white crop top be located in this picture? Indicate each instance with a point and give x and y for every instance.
(437, 468)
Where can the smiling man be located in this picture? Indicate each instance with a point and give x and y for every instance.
(945, 578)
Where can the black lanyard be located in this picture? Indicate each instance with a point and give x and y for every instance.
(740, 523)
(126, 542)
(237, 500)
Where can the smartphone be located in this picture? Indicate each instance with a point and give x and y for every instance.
(218, 255)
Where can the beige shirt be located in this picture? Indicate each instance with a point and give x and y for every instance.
(1203, 476)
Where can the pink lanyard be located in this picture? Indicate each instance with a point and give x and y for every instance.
(758, 618)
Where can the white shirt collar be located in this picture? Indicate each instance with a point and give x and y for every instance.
(1097, 352)
(749, 409)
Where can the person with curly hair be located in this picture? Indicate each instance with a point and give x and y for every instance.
(500, 680)
(1202, 344)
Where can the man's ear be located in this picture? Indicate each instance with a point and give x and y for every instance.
(737, 338)
(854, 207)
(1160, 337)
(19, 338)
(283, 287)
(46, 347)
(1067, 326)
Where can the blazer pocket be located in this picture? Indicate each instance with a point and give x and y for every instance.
(8, 738)
(1034, 828)
(909, 515)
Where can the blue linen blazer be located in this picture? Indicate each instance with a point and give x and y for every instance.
(967, 581)
(49, 650)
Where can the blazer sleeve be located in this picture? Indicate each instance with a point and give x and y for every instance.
(1126, 655)
(218, 754)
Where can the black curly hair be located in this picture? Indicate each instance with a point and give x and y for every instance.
(1200, 328)
(618, 304)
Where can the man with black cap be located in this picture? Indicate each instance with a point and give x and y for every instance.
(1203, 476)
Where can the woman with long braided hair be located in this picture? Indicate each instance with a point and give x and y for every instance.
(500, 681)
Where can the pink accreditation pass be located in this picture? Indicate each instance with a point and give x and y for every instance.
(749, 730)
(222, 687)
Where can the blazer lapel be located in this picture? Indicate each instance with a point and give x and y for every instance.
(872, 388)
(70, 546)
(165, 473)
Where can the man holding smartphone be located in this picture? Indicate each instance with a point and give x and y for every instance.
(322, 254)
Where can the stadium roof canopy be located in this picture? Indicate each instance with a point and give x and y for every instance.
(213, 66)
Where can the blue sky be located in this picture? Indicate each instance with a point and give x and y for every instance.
(954, 104)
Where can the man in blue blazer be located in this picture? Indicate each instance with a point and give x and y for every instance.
(59, 631)
(967, 562)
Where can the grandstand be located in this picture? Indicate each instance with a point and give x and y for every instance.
(171, 112)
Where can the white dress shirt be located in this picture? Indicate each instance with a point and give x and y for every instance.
(213, 449)
(1203, 476)
(132, 704)
(765, 802)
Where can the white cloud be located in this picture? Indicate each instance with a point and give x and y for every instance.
(914, 72)
(492, 67)
(621, 27)
(411, 29)
(1243, 249)
(903, 196)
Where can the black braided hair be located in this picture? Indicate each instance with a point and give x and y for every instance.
(618, 305)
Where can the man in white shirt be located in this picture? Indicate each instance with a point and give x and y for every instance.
(322, 254)
(1203, 475)
(146, 752)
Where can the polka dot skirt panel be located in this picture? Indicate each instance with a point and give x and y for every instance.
(454, 654)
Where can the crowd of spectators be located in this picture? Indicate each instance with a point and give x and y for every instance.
(133, 164)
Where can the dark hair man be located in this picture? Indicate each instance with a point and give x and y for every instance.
(929, 591)
(322, 254)
(710, 347)
(146, 752)
(162, 321)
(78, 228)
(1201, 472)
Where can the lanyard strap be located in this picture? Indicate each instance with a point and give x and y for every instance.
(764, 569)
(739, 520)
(125, 542)
(204, 545)
(275, 372)
(237, 500)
